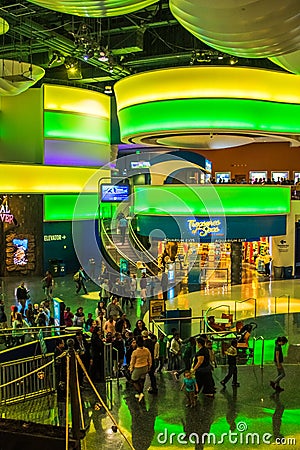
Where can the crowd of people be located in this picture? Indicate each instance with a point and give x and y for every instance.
(136, 352)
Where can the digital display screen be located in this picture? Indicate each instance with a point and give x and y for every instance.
(223, 177)
(208, 165)
(20, 251)
(140, 164)
(258, 176)
(278, 176)
(296, 177)
(114, 193)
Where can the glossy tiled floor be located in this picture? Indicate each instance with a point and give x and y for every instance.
(151, 423)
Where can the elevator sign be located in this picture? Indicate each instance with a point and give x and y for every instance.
(5, 214)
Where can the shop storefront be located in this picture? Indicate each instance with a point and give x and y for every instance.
(214, 245)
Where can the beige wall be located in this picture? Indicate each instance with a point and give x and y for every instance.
(255, 157)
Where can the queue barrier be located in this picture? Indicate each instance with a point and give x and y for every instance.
(34, 385)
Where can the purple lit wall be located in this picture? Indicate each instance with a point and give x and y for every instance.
(75, 153)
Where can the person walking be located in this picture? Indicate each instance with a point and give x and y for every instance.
(48, 285)
(202, 369)
(190, 388)
(133, 286)
(143, 286)
(79, 279)
(267, 261)
(123, 227)
(231, 353)
(150, 345)
(164, 285)
(22, 296)
(175, 352)
(113, 309)
(278, 359)
(140, 364)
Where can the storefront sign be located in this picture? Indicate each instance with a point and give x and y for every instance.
(156, 309)
(205, 227)
(54, 237)
(5, 215)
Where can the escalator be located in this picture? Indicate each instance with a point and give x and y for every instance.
(131, 251)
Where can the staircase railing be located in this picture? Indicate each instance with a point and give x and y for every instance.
(113, 251)
(141, 247)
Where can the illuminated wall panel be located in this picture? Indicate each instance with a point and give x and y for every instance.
(75, 153)
(207, 82)
(211, 200)
(76, 100)
(207, 114)
(62, 207)
(62, 125)
(21, 126)
(40, 179)
(75, 119)
(168, 107)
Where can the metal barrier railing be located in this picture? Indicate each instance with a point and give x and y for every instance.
(288, 297)
(179, 320)
(34, 385)
(243, 301)
(260, 338)
(111, 371)
(208, 312)
(216, 276)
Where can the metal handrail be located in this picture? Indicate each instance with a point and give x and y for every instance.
(215, 270)
(104, 232)
(210, 333)
(31, 329)
(260, 338)
(143, 249)
(209, 311)
(246, 300)
(158, 328)
(179, 319)
(288, 302)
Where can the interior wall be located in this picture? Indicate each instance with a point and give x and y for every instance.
(255, 157)
(21, 128)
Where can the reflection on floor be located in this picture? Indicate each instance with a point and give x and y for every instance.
(151, 423)
(252, 411)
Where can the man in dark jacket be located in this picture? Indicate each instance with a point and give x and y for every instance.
(150, 345)
(22, 296)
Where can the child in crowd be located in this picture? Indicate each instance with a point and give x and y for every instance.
(190, 388)
(278, 359)
(232, 368)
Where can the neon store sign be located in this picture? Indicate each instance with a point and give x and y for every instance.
(5, 215)
(204, 227)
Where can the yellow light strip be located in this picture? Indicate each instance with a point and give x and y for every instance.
(208, 82)
(77, 100)
(34, 179)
